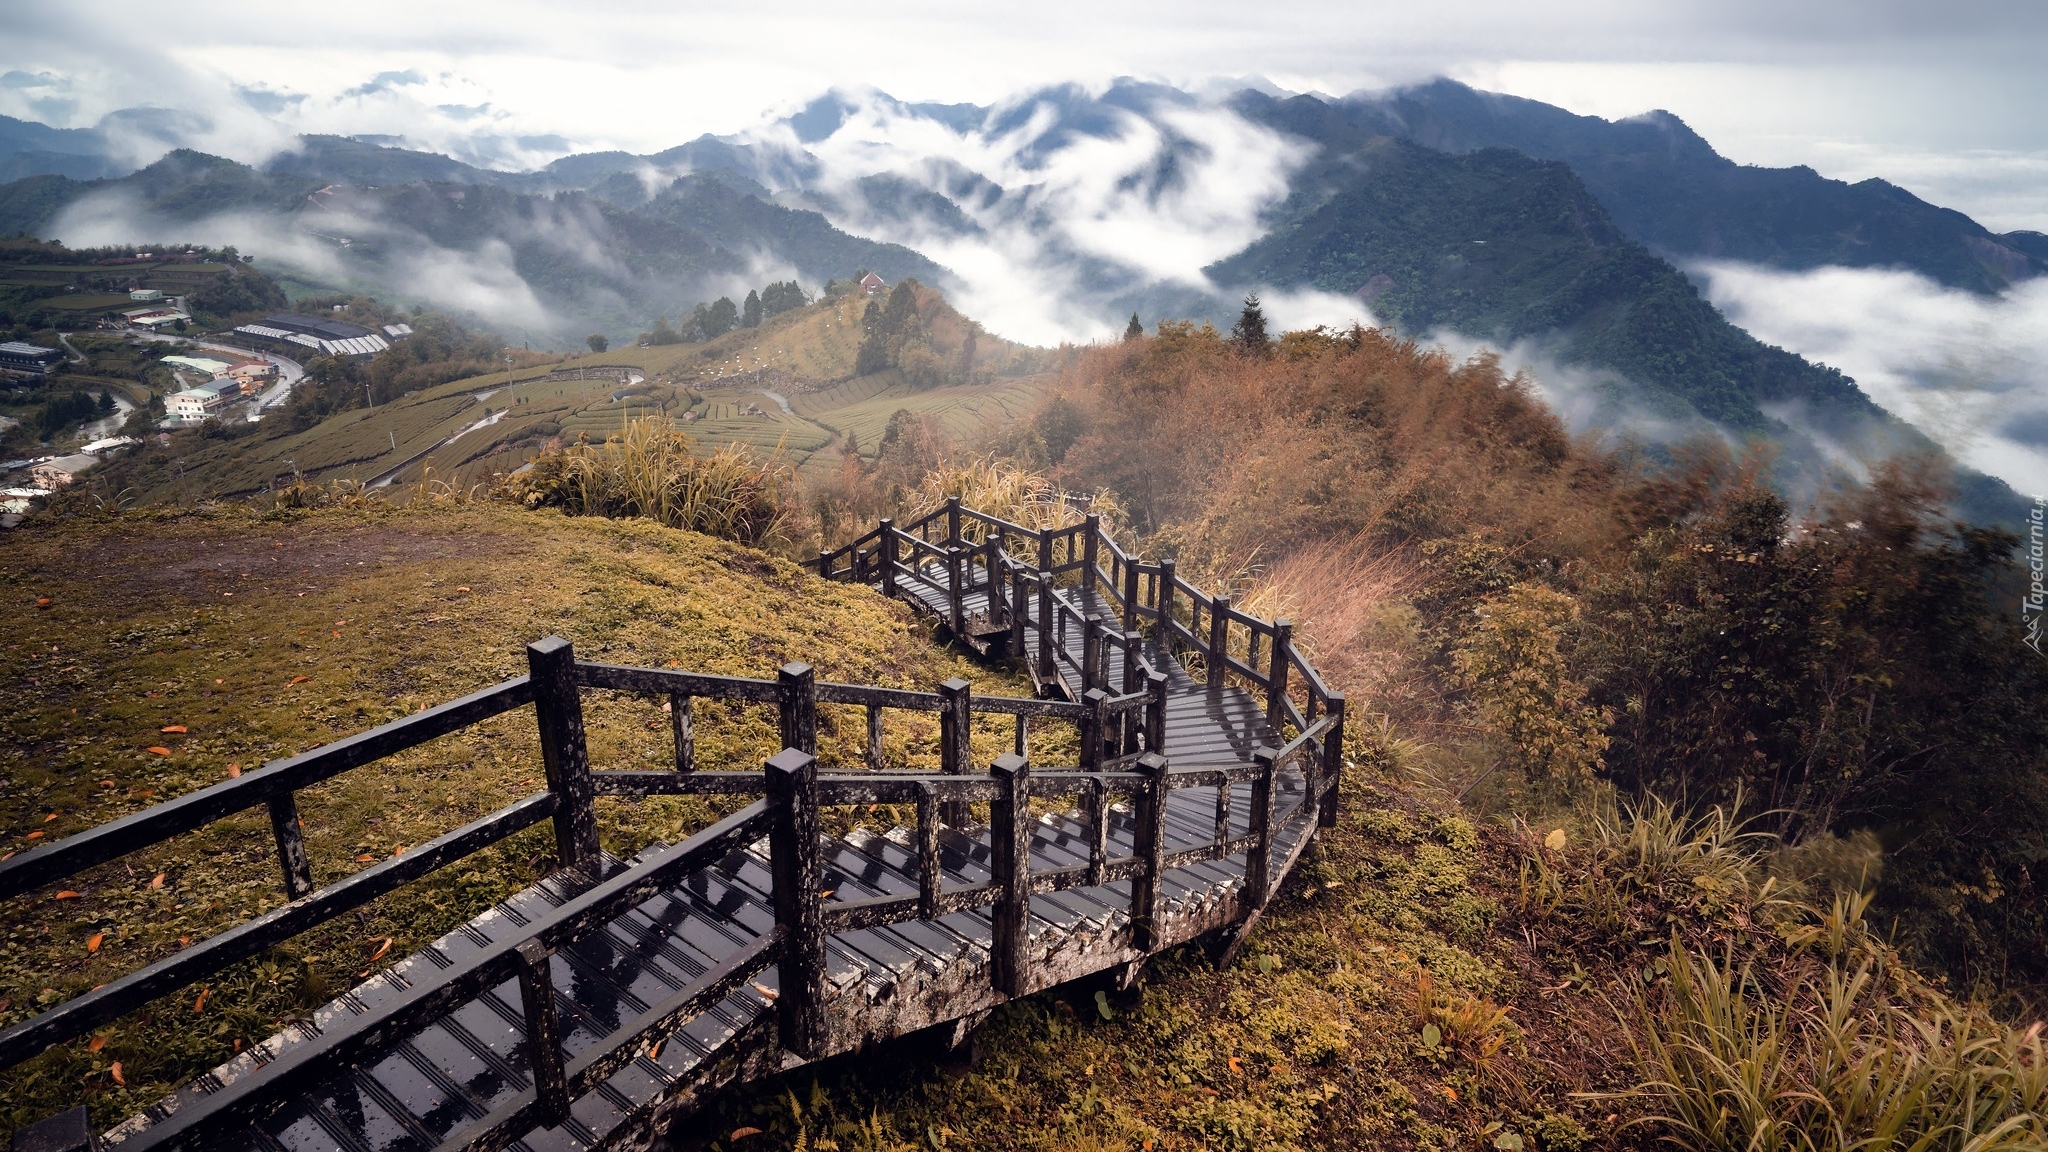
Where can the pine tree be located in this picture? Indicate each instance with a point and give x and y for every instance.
(750, 312)
(1135, 330)
(1249, 333)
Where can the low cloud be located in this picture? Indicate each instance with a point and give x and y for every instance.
(1970, 371)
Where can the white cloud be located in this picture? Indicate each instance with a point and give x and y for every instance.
(1970, 371)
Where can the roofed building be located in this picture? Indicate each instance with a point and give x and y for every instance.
(16, 356)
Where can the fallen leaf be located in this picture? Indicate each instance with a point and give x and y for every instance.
(96, 1043)
(337, 635)
(178, 729)
(296, 680)
(67, 894)
(184, 941)
(366, 858)
(51, 817)
(98, 938)
(827, 893)
(654, 1053)
(158, 749)
(1449, 1092)
(379, 954)
(106, 783)
(158, 882)
(1555, 841)
(1236, 1065)
(37, 835)
(199, 1005)
(398, 851)
(115, 1072)
(42, 601)
(234, 770)
(462, 587)
(1211, 1092)
(743, 1133)
(764, 990)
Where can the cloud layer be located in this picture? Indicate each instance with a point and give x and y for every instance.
(1970, 371)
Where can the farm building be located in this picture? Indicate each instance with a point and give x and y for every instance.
(196, 404)
(300, 334)
(16, 356)
(56, 473)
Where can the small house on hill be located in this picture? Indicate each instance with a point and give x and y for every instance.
(872, 284)
(54, 474)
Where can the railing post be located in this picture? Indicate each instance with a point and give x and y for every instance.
(799, 707)
(543, 1032)
(929, 878)
(1333, 761)
(291, 845)
(1258, 865)
(1047, 670)
(1010, 860)
(1146, 935)
(683, 726)
(1219, 640)
(1166, 605)
(956, 596)
(952, 519)
(888, 550)
(1091, 541)
(1276, 682)
(875, 759)
(956, 744)
(1091, 651)
(1130, 596)
(1092, 723)
(1045, 550)
(1020, 604)
(558, 710)
(825, 564)
(1155, 712)
(795, 863)
(1133, 678)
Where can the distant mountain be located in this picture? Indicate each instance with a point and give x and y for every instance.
(31, 149)
(1666, 186)
(588, 260)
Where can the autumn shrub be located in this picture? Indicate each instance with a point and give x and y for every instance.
(1514, 665)
(652, 471)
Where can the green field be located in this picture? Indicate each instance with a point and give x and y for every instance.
(88, 302)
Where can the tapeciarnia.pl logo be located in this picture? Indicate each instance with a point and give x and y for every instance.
(2036, 601)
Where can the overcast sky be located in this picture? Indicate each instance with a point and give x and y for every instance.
(1946, 98)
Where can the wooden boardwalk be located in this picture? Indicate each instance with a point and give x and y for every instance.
(594, 1009)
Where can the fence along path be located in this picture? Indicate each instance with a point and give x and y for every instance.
(592, 1009)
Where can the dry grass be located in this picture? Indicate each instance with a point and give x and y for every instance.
(651, 470)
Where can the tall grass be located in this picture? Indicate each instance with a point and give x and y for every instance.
(651, 470)
(1799, 1032)
(1009, 492)
(1835, 1063)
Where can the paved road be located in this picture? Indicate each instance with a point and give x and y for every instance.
(289, 372)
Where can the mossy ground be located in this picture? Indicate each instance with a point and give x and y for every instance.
(263, 636)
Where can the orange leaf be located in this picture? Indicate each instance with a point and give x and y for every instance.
(98, 938)
(158, 882)
(743, 1133)
(67, 894)
(297, 680)
(462, 587)
(179, 729)
(158, 749)
(106, 783)
(234, 770)
(115, 1071)
(398, 851)
(199, 1005)
(764, 990)
(366, 858)
(1236, 1065)
(1449, 1092)
(654, 1053)
(379, 955)
(96, 1043)
(35, 835)
(184, 941)
(47, 819)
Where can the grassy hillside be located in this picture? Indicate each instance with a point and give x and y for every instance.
(262, 636)
(471, 430)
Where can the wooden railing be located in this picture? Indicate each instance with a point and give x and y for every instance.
(1123, 755)
(1027, 570)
